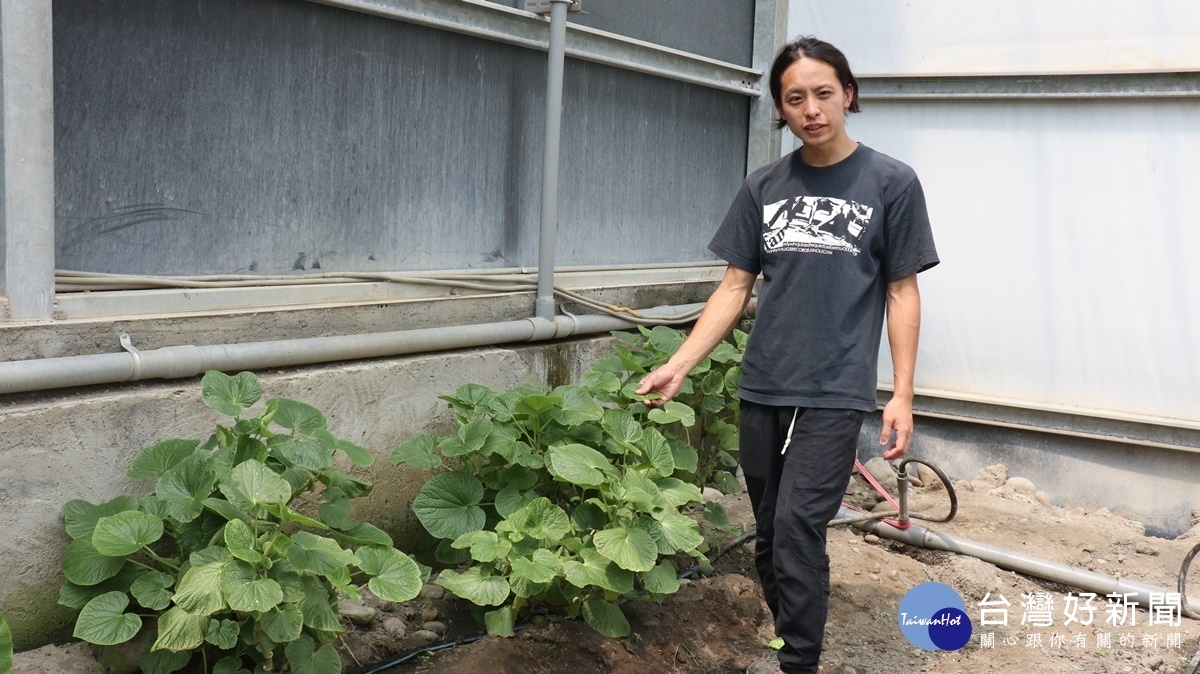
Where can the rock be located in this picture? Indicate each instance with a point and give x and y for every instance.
(1043, 498)
(357, 612)
(929, 479)
(438, 628)
(1020, 484)
(1076, 512)
(431, 591)
(871, 538)
(1145, 549)
(710, 494)
(395, 627)
(964, 486)
(371, 600)
(882, 506)
(894, 574)
(991, 477)
(921, 504)
(882, 472)
(429, 613)
(423, 637)
(873, 576)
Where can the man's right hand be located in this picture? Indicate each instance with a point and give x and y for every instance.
(664, 381)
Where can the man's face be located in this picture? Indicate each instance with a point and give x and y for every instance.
(814, 103)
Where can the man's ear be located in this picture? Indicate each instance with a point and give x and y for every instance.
(849, 96)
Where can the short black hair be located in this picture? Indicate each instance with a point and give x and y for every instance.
(813, 48)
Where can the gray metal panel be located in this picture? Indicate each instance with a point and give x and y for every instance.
(26, 160)
(265, 135)
(719, 29)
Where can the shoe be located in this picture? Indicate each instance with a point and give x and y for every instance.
(767, 664)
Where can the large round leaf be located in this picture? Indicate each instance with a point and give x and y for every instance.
(499, 623)
(680, 531)
(125, 533)
(595, 569)
(541, 519)
(578, 406)
(630, 548)
(637, 488)
(157, 459)
(81, 516)
(661, 579)
(605, 618)
(297, 416)
(222, 633)
(305, 658)
(251, 484)
(83, 565)
(577, 464)
(152, 590)
(199, 591)
(183, 488)
(658, 451)
(543, 567)
(396, 576)
(230, 395)
(620, 425)
(418, 453)
(283, 623)
(485, 546)
(671, 412)
(448, 505)
(318, 554)
(166, 662)
(244, 591)
(475, 587)
(104, 620)
(179, 630)
(510, 499)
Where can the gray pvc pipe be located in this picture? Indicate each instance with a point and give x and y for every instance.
(548, 237)
(174, 362)
(1083, 579)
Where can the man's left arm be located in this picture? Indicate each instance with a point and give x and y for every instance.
(903, 329)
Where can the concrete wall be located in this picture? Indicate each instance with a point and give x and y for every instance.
(77, 445)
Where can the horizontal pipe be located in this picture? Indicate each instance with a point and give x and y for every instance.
(175, 362)
(493, 21)
(1083, 579)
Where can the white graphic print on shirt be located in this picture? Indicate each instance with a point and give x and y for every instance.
(814, 225)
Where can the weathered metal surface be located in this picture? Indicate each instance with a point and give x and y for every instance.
(494, 21)
(271, 136)
(26, 159)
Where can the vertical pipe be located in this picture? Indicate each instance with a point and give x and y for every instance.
(548, 238)
(27, 159)
(770, 34)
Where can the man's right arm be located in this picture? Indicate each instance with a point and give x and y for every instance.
(721, 313)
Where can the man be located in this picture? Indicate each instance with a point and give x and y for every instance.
(839, 233)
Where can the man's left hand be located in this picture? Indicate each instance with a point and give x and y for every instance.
(897, 417)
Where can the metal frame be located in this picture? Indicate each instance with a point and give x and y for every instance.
(27, 149)
(1158, 432)
(764, 144)
(1141, 86)
(492, 21)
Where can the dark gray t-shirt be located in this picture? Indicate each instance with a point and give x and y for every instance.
(827, 241)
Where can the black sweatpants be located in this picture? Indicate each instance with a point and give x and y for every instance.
(794, 494)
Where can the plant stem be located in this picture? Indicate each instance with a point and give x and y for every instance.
(268, 661)
(160, 560)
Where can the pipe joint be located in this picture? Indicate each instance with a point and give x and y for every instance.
(542, 329)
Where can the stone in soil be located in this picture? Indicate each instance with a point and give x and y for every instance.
(357, 612)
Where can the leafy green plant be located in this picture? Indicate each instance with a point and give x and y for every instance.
(217, 555)
(560, 497)
(6, 646)
(710, 389)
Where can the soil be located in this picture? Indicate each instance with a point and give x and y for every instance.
(719, 623)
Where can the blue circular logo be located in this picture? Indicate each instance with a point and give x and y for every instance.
(932, 616)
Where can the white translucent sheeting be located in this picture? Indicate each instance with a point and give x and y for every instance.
(935, 37)
(1069, 235)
